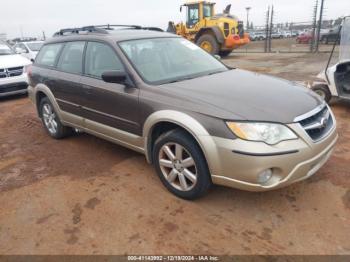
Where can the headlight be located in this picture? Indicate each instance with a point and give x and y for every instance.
(264, 132)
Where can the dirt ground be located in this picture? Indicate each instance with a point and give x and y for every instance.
(83, 195)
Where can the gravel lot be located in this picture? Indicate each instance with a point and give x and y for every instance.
(83, 195)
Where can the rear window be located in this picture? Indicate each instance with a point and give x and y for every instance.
(48, 55)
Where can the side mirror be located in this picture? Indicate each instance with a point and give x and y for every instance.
(180, 8)
(117, 77)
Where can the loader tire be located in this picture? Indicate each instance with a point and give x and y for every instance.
(209, 43)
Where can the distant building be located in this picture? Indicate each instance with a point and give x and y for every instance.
(3, 36)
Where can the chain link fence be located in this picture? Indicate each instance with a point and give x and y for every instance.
(292, 37)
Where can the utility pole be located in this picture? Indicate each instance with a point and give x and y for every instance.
(319, 26)
(271, 28)
(267, 34)
(248, 9)
(21, 30)
(314, 26)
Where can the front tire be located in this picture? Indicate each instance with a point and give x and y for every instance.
(208, 43)
(51, 121)
(181, 165)
(323, 91)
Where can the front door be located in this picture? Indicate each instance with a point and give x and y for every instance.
(112, 105)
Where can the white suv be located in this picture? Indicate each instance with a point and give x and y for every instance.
(28, 49)
(13, 71)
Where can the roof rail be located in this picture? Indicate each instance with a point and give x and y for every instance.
(111, 27)
(101, 29)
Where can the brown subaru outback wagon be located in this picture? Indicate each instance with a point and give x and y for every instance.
(198, 121)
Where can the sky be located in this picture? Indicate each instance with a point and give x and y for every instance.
(31, 18)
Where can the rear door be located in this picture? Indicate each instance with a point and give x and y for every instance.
(66, 81)
(109, 104)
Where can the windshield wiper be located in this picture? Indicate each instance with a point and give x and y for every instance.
(192, 77)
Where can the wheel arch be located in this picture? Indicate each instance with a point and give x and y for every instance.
(41, 91)
(214, 30)
(187, 123)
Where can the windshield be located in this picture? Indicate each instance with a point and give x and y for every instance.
(344, 52)
(34, 46)
(5, 49)
(164, 60)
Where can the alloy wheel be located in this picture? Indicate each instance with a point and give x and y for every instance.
(178, 166)
(49, 118)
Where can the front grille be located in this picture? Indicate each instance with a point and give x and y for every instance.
(11, 72)
(13, 87)
(15, 71)
(3, 73)
(318, 125)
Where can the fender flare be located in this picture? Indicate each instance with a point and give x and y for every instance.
(191, 125)
(44, 89)
(215, 30)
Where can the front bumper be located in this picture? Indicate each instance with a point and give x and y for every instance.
(238, 163)
(13, 85)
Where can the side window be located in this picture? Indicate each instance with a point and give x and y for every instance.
(20, 45)
(99, 59)
(71, 60)
(48, 54)
(207, 11)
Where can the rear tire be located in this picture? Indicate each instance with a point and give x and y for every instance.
(208, 43)
(181, 165)
(323, 91)
(51, 121)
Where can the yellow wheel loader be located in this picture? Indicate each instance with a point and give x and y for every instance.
(217, 34)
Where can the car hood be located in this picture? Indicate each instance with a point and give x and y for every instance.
(8, 61)
(243, 95)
